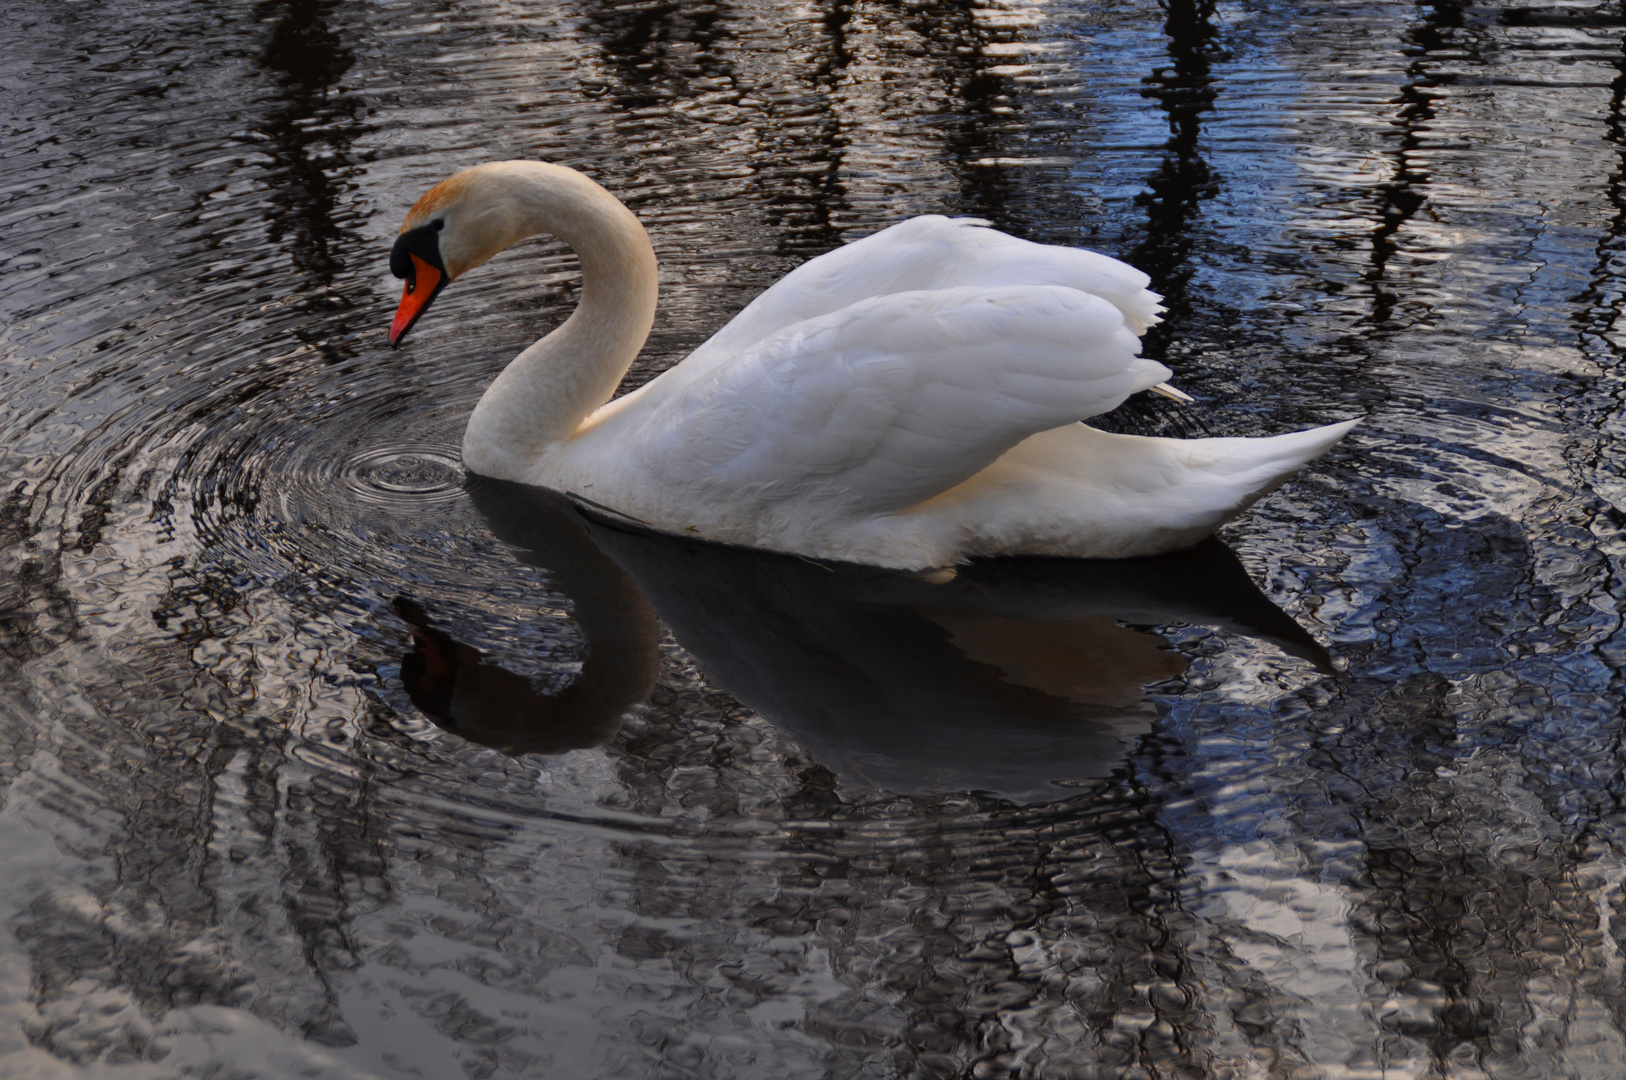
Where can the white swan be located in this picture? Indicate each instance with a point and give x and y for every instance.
(910, 400)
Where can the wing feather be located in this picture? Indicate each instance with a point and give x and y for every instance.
(888, 401)
(927, 253)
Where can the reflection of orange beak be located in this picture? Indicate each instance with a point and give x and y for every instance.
(422, 286)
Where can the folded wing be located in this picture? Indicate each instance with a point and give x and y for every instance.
(880, 404)
(924, 253)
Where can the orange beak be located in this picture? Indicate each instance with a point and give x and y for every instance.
(422, 286)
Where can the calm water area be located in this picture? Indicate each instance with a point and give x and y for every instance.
(320, 758)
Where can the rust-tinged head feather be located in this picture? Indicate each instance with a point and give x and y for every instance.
(437, 198)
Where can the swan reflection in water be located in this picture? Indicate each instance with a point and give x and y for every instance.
(1012, 677)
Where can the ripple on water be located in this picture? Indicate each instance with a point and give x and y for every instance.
(404, 478)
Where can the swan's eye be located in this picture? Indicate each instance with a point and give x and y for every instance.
(438, 224)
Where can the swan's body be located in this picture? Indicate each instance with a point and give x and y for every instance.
(912, 399)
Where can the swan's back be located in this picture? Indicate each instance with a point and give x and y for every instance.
(922, 254)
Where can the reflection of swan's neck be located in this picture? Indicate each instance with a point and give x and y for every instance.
(622, 642)
(547, 390)
(487, 704)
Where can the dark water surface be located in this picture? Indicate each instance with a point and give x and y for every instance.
(263, 645)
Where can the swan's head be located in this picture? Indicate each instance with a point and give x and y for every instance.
(457, 225)
(461, 222)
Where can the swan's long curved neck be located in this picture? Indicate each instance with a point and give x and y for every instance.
(545, 393)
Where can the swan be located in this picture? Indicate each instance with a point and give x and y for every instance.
(911, 400)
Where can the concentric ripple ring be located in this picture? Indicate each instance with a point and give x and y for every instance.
(404, 477)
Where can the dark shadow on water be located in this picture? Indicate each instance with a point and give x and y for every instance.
(1014, 675)
(654, 51)
(1406, 194)
(308, 133)
(1185, 90)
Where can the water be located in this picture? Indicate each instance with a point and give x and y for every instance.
(262, 643)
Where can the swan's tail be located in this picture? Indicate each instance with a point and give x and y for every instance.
(1247, 470)
(1082, 492)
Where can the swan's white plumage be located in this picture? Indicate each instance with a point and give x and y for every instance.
(911, 399)
(880, 404)
(926, 253)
